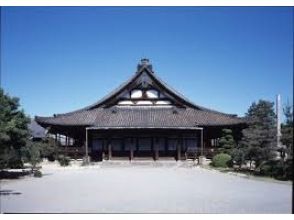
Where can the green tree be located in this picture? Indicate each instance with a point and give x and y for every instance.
(287, 130)
(238, 156)
(259, 139)
(49, 149)
(13, 131)
(31, 153)
(227, 142)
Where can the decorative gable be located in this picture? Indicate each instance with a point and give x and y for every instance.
(144, 90)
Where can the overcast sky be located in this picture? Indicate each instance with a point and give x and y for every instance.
(61, 59)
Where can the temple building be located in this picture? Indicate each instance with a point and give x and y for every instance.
(142, 118)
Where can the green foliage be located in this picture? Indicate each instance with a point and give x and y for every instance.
(32, 153)
(38, 173)
(13, 131)
(227, 142)
(13, 159)
(63, 160)
(287, 131)
(277, 168)
(266, 170)
(259, 138)
(49, 149)
(10, 158)
(238, 156)
(221, 160)
(288, 168)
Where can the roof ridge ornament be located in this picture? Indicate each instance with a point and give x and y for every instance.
(145, 62)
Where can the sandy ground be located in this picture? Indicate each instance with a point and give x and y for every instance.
(159, 188)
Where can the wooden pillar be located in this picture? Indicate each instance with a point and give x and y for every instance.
(103, 149)
(109, 150)
(201, 159)
(178, 149)
(156, 156)
(66, 144)
(201, 141)
(86, 147)
(59, 143)
(132, 151)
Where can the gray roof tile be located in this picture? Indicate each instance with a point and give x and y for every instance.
(140, 116)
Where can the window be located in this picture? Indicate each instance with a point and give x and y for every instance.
(152, 94)
(136, 93)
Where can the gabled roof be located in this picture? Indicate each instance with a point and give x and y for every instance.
(148, 70)
(101, 114)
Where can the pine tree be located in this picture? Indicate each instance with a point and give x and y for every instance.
(259, 139)
(287, 130)
(13, 131)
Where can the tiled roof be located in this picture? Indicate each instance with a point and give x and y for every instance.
(100, 114)
(142, 116)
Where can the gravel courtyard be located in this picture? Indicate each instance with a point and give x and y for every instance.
(173, 188)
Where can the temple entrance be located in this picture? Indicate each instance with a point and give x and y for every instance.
(140, 144)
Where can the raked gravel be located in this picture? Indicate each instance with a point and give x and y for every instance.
(142, 188)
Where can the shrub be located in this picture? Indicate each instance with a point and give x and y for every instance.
(289, 169)
(266, 170)
(221, 160)
(238, 156)
(277, 169)
(38, 173)
(63, 160)
(227, 142)
(49, 149)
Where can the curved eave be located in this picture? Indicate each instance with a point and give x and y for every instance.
(46, 122)
(142, 117)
